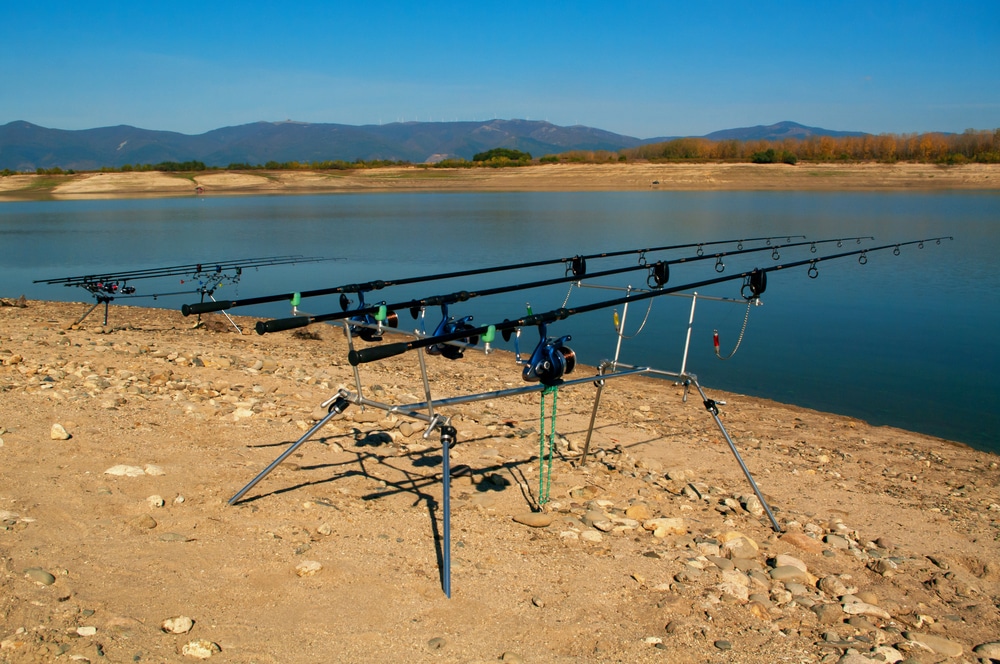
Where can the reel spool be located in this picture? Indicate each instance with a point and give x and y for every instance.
(451, 325)
(550, 361)
(361, 329)
(369, 326)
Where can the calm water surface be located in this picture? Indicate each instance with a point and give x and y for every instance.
(904, 340)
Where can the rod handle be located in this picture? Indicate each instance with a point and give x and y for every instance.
(206, 307)
(281, 324)
(372, 353)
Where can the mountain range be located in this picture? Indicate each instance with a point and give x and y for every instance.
(27, 147)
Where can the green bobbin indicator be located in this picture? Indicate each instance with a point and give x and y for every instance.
(491, 333)
(528, 305)
(296, 299)
(380, 315)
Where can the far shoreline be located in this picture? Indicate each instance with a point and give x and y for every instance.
(829, 177)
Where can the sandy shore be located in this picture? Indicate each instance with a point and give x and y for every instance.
(552, 177)
(121, 445)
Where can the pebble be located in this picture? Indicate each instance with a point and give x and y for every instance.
(802, 541)
(174, 537)
(58, 432)
(125, 471)
(736, 584)
(865, 609)
(178, 625)
(938, 644)
(145, 522)
(666, 526)
(308, 568)
(723, 645)
(828, 614)
(833, 586)
(988, 650)
(437, 643)
(200, 649)
(40, 575)
(789, 573)
(759, 610)
(86, 631)
(155, 501)
(534, 519)
(887, 654)
(783, 559)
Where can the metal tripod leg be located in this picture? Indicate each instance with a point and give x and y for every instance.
(100, 301)
(448, 434)
(593, 417)
(224, 313)
(338, 406)
(713, 408)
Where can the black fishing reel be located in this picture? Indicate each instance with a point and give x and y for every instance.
(109, 287)
(451, 325)
(754, 284)
(550, 360)
(369, 326)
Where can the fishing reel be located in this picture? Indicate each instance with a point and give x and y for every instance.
(369, 326)
(109, 287)
(451, 325)
(754, 284)
(550, 360)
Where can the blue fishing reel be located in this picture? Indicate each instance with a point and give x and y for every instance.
(550, 360)
(451, 325)
(369, 326)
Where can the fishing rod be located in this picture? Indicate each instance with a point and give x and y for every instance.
(659, 273)
(575, 264)
(551, 359)
(175, 270)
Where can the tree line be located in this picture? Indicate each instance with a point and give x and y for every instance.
(971, 146)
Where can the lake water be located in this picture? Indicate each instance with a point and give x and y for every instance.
(903, 340)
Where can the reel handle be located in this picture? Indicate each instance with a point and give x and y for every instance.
(373, 353)
(281, 324)
(206, 307)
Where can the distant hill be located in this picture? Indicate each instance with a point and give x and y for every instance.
(26, 147)
(776, 132)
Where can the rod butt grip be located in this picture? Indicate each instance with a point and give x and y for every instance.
(373, 353)
(205, 307)
(281, 324)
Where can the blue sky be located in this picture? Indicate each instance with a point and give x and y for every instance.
(643, 69)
